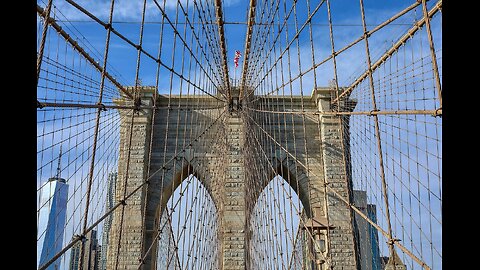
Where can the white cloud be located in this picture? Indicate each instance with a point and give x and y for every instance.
(123, 9)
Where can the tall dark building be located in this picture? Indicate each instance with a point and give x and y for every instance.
(75, 256)
(373, 233)
(91, 257)
(367, 235)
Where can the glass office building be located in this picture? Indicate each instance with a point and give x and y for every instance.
(51, 220)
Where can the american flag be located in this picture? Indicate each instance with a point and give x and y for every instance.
(237, 56)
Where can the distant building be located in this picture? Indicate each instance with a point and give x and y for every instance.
(383, 261)
(395, 263)
(367, 235)
(52, 206)
(373, 234)
(98, 257)
(75, 255)
(92, 254)
(367, 238)
(107, 223)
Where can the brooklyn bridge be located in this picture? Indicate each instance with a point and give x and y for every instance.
(212, 134)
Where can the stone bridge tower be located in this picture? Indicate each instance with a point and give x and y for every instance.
(323, 153)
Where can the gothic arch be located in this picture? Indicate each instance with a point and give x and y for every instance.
(298, 182)
(158, 195)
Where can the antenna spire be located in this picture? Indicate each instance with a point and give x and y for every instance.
(59, 163)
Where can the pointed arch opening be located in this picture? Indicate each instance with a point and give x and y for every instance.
(276, 239)
(187, 227)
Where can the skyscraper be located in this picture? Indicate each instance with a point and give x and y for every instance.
(110, 201)
(75, 255)
(92, 253)
(373, 233)
(367, 235)
(51, 218)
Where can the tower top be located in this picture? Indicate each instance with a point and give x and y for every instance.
(59, 169)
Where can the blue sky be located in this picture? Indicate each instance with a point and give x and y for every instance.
(345, 17)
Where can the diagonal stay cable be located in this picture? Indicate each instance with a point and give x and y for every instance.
(183, 41)
(93, 17)
(273, 170)
(76, 46)
(401, 41)
(44, 38)
(370, 32)
(247, 43)
(248, 39)
(136, 99)
(295, 37)
(434, 113)
(221, 33)
(358, 211)
(202, 49)
(123, 201)
(432, 51)
(211, 39)
(95, 136)
(261, 42)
